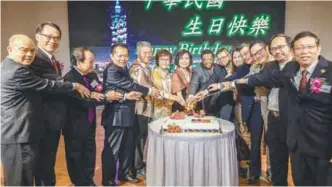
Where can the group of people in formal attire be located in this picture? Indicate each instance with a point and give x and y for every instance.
(281, 88)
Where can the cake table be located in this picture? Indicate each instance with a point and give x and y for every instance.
(191, 159)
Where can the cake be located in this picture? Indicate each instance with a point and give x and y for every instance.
(207, 124)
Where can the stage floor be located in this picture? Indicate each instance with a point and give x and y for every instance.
(63, 178)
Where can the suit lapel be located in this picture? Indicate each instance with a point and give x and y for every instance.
(43, 55)
(77, 77)
(290, 72)
(318, 73)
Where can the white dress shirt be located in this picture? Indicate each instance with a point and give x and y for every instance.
(273, 103)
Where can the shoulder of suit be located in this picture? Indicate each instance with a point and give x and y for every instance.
(221, 68)
(329, 64)
(38, 59)
(69, 75)
(197, 68)
(10, 62)
(271, 63)
(113, 68)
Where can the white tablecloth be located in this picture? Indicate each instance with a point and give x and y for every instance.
(192, 159)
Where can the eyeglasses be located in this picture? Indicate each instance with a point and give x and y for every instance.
(222, 58)
(259, 52)
(300, 49)
(49, 37)
(164, 59)
(147, 53)
(279, 47)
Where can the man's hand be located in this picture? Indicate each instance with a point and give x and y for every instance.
(97, 96)
(201, 95)
(112, 95)
(226, 85)
(83, 91)
(133, 95)
(213, 87)
(242, 81)
(156, 93)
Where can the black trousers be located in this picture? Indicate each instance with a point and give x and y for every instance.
(141, 136)
(81, 157)
(309, 171)
(47, 150)
(255, 126)
(119, 144)
(278, 151)
(18, 164)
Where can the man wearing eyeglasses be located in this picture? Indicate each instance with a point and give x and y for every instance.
(225, 99)
(308, 82)
(48, 36)
(279, 47)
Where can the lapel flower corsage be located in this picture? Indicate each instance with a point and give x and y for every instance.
(62, 65)
(316, 84)
(99, 88)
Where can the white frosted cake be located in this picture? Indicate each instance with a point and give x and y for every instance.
(207, 124)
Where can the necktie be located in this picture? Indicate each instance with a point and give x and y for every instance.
(55, 65)
(91, 114)
(303, 82)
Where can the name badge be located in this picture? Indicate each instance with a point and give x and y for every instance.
(325, 89)
(94, 83)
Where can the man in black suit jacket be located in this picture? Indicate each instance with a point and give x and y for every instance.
(118, 118)
(203, 75)
(308, 81)
(48, 36)
(20, 110)
(275, 137)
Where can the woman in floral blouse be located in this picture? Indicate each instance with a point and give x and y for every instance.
(161, 79)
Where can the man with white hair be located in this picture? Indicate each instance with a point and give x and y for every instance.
(141, 73)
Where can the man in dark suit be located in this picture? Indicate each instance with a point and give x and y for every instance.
(20, 109)
(279, 47)
(226, 100)
(118, 118)
(202, 76)
(308, 82)
(48, 36)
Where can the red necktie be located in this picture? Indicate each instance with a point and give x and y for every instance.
(303, 82)
(55, 65)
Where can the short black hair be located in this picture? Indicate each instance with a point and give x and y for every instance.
(207, 51)
(222, 50)
(116, 45)
(41, 26)
(179, 54)
(305, 34)
(243, 45)
(260, 42)
(78, 55)
(287, 38)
